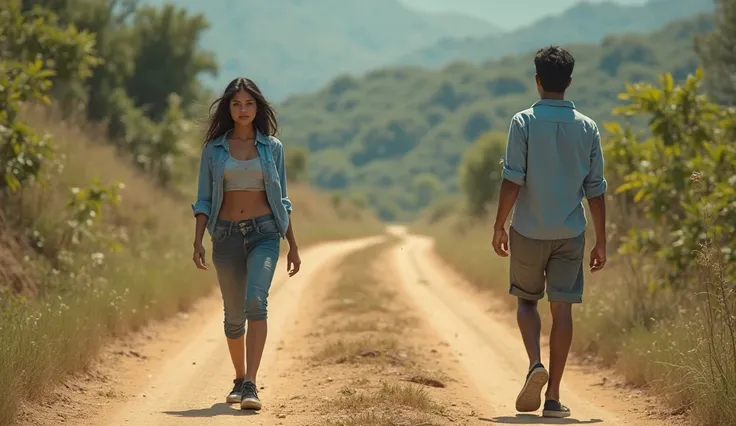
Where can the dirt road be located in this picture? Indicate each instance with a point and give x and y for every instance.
(181, 371)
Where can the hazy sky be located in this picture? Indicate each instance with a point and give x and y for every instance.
(504, 13)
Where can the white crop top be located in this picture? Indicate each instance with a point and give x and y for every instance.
(243, 175)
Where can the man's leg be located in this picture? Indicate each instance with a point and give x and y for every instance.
(559, 346)
(530, 325)
(527, 264)
(564, 288)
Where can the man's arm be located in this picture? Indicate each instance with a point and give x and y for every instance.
(595, 187)
(598, 213)
(514, 171)
(506, 199)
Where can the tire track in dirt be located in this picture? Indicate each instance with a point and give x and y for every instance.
(491, 350)
(361, 355)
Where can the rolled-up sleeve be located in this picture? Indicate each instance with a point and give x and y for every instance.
(203, 205)
(281, 168)
(514, 160)
(595, 183)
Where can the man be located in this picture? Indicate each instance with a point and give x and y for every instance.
(553, 160)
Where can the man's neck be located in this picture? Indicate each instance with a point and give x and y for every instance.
(553, 96)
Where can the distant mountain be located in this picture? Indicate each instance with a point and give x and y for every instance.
(290, 46)
(508, 15)
(375, 134)
(585, 22)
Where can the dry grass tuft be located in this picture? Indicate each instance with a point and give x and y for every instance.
(380, 350)
(391, 404)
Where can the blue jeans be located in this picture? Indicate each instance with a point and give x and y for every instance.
(245, 254)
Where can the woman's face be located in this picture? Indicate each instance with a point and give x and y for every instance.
(243, 108)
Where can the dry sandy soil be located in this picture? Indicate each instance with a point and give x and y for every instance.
(374, 331)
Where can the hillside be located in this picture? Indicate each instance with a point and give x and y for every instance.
(507, 15)
(372, 134)
(290, 46)
(585, 22)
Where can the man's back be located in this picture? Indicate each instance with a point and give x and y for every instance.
(554, 153)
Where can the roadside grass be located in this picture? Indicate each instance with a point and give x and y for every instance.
(60, 302)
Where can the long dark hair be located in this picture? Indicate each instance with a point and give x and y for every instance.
(220, 121)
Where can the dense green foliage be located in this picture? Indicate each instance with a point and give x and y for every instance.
(373, 134)
(33, 49)
(144, 83)
(292, 46)
(480, 172)
(690, 138)
(717, 52)
(585, 22)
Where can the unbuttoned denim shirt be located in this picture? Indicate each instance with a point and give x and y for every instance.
(212, 172)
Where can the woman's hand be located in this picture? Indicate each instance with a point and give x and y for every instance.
(293, 261)
(199, 256)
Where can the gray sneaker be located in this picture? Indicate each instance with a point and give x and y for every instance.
(236, 395)
(530, 398)
(250, 399)
(555, 409)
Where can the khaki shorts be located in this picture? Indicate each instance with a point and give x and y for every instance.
(558, 262)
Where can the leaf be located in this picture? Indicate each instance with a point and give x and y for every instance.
(628, 186)
(639, 196)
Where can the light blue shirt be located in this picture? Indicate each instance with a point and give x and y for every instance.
(212, 172)
(554, 153)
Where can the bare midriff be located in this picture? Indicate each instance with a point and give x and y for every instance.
(242, 205)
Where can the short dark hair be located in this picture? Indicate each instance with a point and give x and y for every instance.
(554, 67)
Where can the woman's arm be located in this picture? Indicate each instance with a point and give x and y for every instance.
(290, 236)
(199, 227)
(293, 261)
(203, 204)
(281, 169)
(201, 209)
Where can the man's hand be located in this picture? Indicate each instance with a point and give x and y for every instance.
(501, 242)
(597, 257)
(293, 262)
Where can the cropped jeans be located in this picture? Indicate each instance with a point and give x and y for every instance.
(245, 254)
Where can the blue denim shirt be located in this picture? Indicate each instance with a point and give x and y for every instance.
(212, 172)
(554, 153)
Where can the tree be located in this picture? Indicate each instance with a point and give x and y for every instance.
(480, 171)
(689, 135)
(427, 187)
(33, 50)
(168, 58)
(716, 52)
(107, 20)
(296, 163)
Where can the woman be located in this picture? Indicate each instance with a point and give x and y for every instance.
(243, 203)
